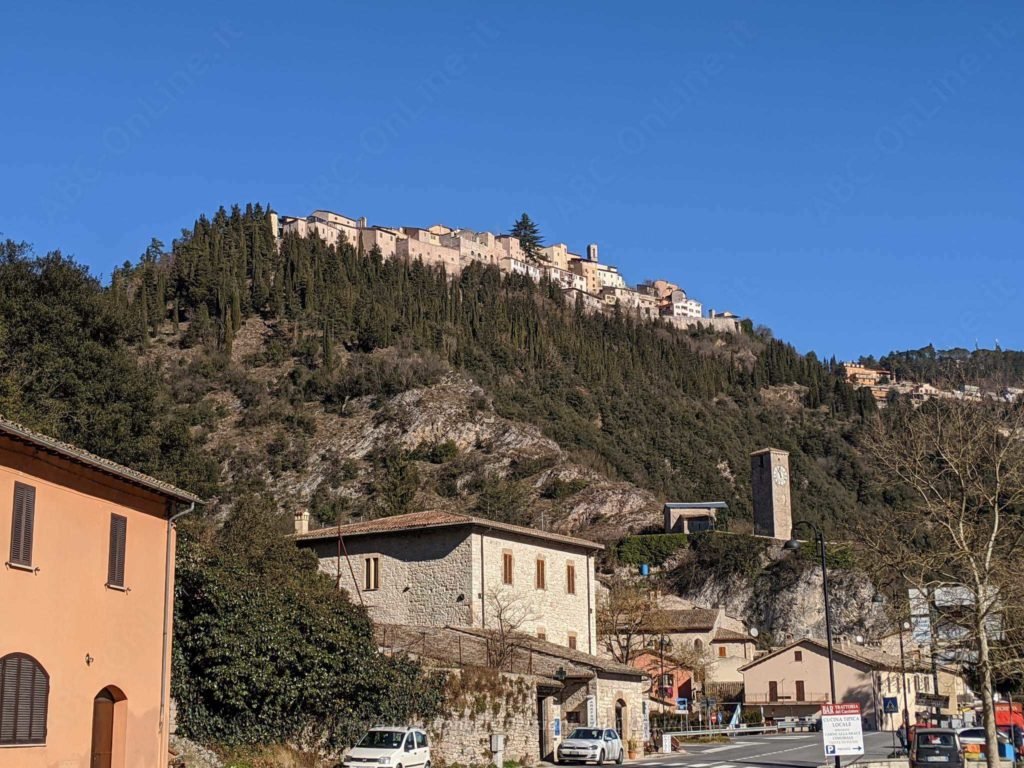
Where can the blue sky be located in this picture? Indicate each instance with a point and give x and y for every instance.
(848, 174)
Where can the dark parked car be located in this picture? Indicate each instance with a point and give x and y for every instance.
(935, 746)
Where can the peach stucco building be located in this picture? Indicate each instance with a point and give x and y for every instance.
(85, 607)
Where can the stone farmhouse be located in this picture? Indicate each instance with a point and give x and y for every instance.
(723, 640)
(600, 286)
(450, 570)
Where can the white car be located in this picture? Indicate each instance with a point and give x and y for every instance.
(977, 736)
(392, 747)
(591, 745)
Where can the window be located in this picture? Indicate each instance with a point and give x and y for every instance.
(23, 524)
(24, 690)
(698, 644)
(371, 573)
(572, 641)
(541, 580)
(115, 558)
(570, 578)
(798, 655)
(506, 567)
(773, 690)
(421, 740)
(542, 633)
(721, 651)
(800, 690)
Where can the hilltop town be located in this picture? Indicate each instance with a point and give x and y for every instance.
(598, 287)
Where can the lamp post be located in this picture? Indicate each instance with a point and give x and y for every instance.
(794, 545)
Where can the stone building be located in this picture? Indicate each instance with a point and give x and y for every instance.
(475, 246)
(794, 681)
(563, 688)
(426, 246)
(722, 640)
(770, 482)
(384, 239)
(692, 517)
(445, 569)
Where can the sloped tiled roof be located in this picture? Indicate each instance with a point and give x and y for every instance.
(51, 445)
(692, 619)
(870, 657)
(415, 521)
(467, 647)
(730, 636)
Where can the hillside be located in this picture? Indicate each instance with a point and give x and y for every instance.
(366, 387)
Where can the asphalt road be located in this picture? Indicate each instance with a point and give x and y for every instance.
(802, 750)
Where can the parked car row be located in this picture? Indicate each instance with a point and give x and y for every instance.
(947, 747)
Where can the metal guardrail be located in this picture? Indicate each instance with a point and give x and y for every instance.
(728, 731)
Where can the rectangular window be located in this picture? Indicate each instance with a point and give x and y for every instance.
(371, 574)
(570, 578)
(773, 690)
(721, 651)
(23, 524)
(116, 555)
(506, 567)
(800, 690)
(572, 641)
(798, 655)
(541, 580)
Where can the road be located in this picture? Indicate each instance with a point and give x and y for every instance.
(772, 751)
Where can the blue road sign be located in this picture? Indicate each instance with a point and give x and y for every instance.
(682, 705)
(889, 705)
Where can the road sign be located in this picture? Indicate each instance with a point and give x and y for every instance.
(889, 705)
(558, 727)
(682, 706)
(841, 729)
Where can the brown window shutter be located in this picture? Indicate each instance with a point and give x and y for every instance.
(118, 540)
(24, 692)
(23, 524)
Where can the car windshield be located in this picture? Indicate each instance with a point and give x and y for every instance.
(935, 740)
(382, 739)
(586, 733)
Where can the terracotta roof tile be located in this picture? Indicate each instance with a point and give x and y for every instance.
(691, 619)
(26, 435)
(730, 636)
(414, 521)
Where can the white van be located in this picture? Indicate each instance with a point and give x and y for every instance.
(392, 747)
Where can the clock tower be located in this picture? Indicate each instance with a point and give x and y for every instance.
(769, 480)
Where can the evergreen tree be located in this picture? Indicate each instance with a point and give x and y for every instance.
(529, 237)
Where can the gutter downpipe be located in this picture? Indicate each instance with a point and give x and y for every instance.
(165, 667)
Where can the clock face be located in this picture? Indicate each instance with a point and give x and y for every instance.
(780, 475)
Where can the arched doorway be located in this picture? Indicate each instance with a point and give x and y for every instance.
(620, 717)
(108, 726)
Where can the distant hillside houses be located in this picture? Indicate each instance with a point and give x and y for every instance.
(883, 384)
(598, 287)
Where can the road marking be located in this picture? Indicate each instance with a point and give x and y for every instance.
(722, 749)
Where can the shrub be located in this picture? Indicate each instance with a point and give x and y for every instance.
(654, 549)
(558, 488)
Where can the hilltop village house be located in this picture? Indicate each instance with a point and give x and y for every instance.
(794, 681)
(599, 287)
(466, 591)
(85, 607)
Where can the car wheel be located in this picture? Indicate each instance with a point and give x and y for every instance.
(600, 758)
(426, 764)
(622, 756)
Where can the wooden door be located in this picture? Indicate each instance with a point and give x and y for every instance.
(773, 690)
(102, 730)
(800, 690)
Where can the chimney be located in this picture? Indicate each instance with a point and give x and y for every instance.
(362, 222)
(302, 521)
(592, 252)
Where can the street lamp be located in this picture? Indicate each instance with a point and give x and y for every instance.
(795, 545)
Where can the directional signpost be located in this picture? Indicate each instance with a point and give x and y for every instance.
(841, 730)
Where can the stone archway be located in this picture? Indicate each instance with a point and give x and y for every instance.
(621, 718)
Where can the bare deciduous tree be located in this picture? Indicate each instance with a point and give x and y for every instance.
(628, 617)
(508, 611)
(960, 530)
